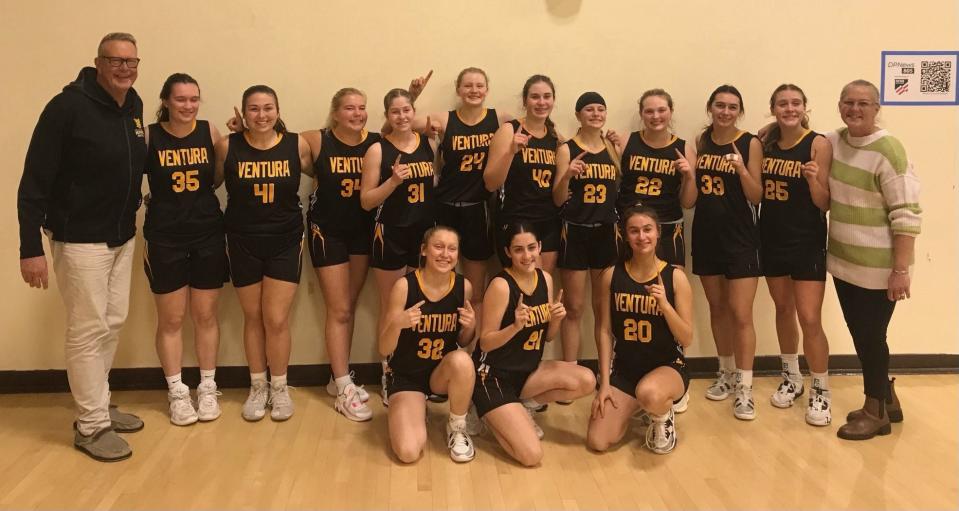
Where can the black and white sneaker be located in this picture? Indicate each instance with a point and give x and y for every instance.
(789, 390)
(661, 435)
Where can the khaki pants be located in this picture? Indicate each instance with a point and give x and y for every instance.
(94, 282)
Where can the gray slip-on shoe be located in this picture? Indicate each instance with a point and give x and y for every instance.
(123, 422)
(104, 445)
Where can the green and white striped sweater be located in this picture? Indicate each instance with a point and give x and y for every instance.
(874, 196)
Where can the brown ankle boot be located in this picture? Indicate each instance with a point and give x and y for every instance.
(893, 408)
(871, 422)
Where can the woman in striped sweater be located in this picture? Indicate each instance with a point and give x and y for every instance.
(874, 220)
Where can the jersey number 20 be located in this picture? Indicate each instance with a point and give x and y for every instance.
(641, 330)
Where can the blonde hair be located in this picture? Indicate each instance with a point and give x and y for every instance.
(860, 83)
(337, 102)
(116, 36)
(459, 77)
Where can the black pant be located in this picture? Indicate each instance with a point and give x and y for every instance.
(867, 313)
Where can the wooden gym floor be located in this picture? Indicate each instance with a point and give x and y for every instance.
(318, 459)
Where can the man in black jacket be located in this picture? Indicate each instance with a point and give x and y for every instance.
(81, 185)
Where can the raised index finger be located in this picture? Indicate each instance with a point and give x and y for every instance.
(397, 162)
(659, 280)
(559, 297)
(427, 77)
(236, 112)
(681, 156)
(736, 149)
(418, 304)
(580, 156)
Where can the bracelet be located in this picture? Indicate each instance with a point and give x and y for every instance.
(900, 272)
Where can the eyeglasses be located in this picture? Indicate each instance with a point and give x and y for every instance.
(848, 103)
(118, 61)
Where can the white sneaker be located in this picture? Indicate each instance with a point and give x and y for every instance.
(661, 436)
(351, 405)
(333, 391)
(743, 406)
(789, 389)
(460, 444)
(208, 407)
(539, 431)
(182, 412)
(383, 395)
(254, 408)
(721, 388)
(281, 405)
(474, 425)
(819, 411)
(683, 404)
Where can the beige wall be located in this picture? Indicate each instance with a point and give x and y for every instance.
(306, 50)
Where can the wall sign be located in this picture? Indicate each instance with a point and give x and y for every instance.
(919, 78)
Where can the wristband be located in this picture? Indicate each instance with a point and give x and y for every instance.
(900, 272)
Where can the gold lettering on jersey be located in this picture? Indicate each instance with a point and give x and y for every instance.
(346, 164)
(538, 315)
(466, 142)
(438, 323)
(537, 155)
(716, 163)
(785, 168)
(636, 304)
(263, 169)
(598, 171)
(421, 168)
(185, 156)
(654, 165)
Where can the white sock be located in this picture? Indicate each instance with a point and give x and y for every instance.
(658, 418)
(744, 377)
(174, 381)
(257, 378)
(820, 380)
(791, 365)
(277, 381)
(457, 422)
(531, 403)
(207, 375)
(342, 382)
(727, 363)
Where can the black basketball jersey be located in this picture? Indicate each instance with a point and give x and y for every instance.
(788, 219)
(262, 187)
(592, 194)
(722, 209)
(335, 203)
(524, 350)
(411, 203)
(641, 335)
(527, 193)
(465, 148)
(650, 177)
(182, 210)
(422, 347)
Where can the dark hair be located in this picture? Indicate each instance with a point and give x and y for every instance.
(722, 89)
(280, 126)
(775, 132)
(515, 229)
(163, 113)
(459, 77)
(429, 234)
(639, 209)
(396, 93)
(533, 80)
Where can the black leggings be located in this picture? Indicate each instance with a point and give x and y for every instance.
(867, 313)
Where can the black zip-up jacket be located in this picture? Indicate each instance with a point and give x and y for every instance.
(82, 175)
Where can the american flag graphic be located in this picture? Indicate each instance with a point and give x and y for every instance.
(902, 85)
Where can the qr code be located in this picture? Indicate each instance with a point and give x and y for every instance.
(935, 75)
